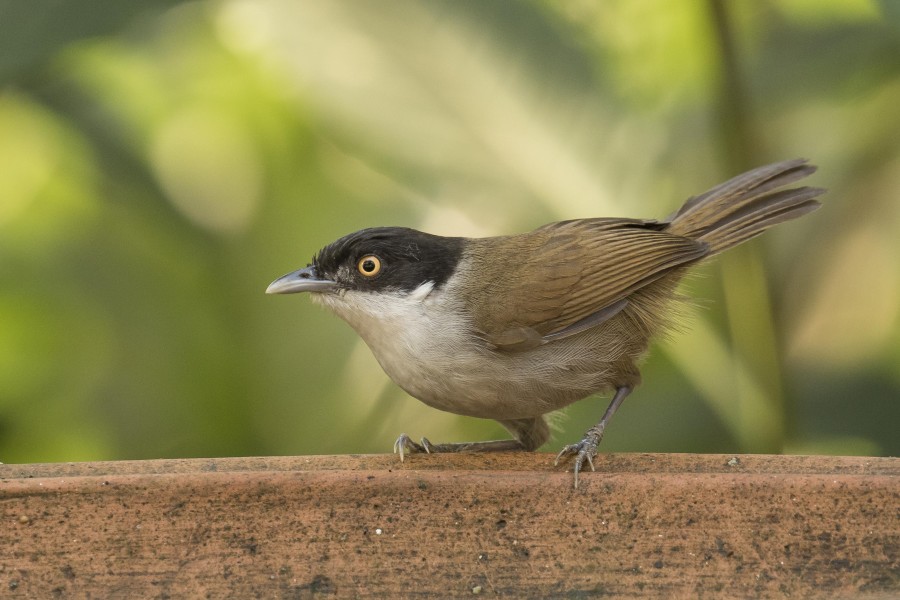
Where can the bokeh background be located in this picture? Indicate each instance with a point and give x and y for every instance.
(161, 162)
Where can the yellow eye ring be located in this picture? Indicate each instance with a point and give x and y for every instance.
(369, 265)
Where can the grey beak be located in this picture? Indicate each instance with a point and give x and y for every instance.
(303, 280)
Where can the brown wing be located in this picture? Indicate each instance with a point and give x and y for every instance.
(569, 276)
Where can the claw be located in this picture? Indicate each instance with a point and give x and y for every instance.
(400, 444)
(585, 450)
(404, 443)
(566, 451)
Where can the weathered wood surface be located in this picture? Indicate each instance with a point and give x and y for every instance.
(452, 526)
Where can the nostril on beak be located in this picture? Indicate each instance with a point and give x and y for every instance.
(305, 275)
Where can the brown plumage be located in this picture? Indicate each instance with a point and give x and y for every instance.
(565, 272)
(514, 327)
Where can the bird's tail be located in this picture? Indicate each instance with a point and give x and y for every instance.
(747, 205)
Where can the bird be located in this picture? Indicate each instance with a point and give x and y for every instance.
(515, 327)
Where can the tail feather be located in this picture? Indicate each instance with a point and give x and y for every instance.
(747, 205)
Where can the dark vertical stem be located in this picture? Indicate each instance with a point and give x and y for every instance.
(737, 136)
(747, 294)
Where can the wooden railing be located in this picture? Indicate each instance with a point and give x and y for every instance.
(444, 526)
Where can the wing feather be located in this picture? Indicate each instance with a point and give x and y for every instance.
(569, 276)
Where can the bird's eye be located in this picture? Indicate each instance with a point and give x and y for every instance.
(369, 265)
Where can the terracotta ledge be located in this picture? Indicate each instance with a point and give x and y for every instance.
(453, 525)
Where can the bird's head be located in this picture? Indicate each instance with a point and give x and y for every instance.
(380, 261)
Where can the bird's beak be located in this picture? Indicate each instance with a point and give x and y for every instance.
(303, 280)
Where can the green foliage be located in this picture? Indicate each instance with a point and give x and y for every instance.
(162, 162)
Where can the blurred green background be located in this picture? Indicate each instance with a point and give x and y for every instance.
(161, 162)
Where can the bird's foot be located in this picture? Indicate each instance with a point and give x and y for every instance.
(405, 444)
(585, 450)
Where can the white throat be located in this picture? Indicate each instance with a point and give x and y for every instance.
(412, 334)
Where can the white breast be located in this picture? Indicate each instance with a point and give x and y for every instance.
(425, 342)
(410, 334)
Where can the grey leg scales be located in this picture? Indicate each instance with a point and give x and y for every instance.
(586, 449)
(405, 444)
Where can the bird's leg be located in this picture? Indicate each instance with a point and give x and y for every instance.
(405, 444)
(586, 449)
(529, 434)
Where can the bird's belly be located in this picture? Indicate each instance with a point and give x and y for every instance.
(450, 369)
(475, 381)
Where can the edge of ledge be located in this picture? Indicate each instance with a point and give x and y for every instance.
(633, 463)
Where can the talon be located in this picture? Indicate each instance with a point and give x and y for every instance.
(585, 450)
(400, 444)
(403, 443)
(569, 450)
(426, 445)
(587, 447)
